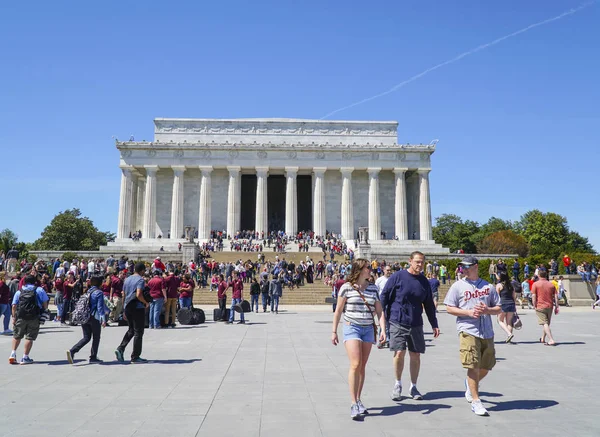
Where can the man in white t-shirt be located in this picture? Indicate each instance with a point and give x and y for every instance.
(380, 282)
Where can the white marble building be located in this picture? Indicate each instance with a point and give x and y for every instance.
(264, 174)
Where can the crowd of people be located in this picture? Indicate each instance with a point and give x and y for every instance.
(380, 303)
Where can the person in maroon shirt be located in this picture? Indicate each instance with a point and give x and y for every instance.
(68, 287)
(237, 285)
(5, 308)
(106, 286)
(171, 285)
(116, 295)
(159, 294)
(185, 292)
(222, 296)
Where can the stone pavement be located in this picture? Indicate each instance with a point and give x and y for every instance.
(280, 375)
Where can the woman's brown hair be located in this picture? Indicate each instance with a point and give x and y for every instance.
(357, 266)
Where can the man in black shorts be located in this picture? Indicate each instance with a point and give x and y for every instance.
(403, 298)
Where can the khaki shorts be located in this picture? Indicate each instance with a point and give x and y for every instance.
(26, 328)
(477, 353)
(544, 316)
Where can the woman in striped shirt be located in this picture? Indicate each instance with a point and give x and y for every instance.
(358, 300)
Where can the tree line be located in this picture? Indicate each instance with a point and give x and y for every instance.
(535, 234)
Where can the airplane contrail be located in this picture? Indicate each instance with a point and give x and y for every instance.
(459, 57)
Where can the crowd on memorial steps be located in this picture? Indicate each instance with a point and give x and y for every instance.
(377, 302)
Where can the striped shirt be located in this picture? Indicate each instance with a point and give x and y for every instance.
(355, 310)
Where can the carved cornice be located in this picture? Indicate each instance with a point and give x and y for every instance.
(247, 127)
(291, 148)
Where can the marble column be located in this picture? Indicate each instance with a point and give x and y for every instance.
(177, 202)
(261, 223)
(400, 212)
(347, 204)
(424, 205)
(149, 229)
(205, 211)
(374, 207)
(141, 198)
(125, 203)
(233, 209)
(134, 202)
(291, 201)
(319, 214)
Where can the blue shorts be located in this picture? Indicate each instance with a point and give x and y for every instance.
(363, 333)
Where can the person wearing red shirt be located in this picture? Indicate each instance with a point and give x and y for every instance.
(171, 285)
(68, 286)
(159, 294)
(237, 285)
(116, 292)
(5, 307)
(221, 290)
(545, 301)
(106, 286)
(185, 292)
(158, 265)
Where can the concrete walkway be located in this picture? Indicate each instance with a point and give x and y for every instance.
(280, 375)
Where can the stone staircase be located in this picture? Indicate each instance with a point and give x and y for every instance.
(309, 294)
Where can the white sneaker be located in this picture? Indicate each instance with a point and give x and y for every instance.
(468, 395)
(478, 408)
(397, 392)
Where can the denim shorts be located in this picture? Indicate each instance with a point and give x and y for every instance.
(363, 333)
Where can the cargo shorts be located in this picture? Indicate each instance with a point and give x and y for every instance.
(26, 328)
(477, 353)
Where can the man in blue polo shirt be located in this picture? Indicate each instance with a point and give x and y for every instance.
(27, 306)
(404, 296)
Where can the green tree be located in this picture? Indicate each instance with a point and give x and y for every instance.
(549, 234)
(494, 224)
(504, 242)
(454, 233)
(68, 230)
(8, 239)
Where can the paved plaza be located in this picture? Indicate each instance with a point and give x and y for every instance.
(280, 375)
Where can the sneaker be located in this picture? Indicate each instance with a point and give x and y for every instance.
(414, 393)
(354, 413)
(119, 356)
(361, 408)
(95, 361)
(26, 360)
(397, 392)
(69, 357)
(12, 359)
(241, 322)
(478, 408)
(139, 360)
(510, 337)
(468, 395)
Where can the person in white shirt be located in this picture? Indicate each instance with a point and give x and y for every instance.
(380, 284)
(381, 281)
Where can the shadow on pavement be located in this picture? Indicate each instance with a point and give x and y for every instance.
(436, 395)
(51, 331)
(526, 404)
(558, 343)
(406, 408)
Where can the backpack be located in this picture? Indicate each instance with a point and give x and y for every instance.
(28, 307)
(82, 312)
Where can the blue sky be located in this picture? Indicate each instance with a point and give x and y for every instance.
(517, 122)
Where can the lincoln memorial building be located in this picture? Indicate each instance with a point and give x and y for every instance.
(275, 174)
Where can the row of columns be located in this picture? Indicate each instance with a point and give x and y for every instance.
(144, 194)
